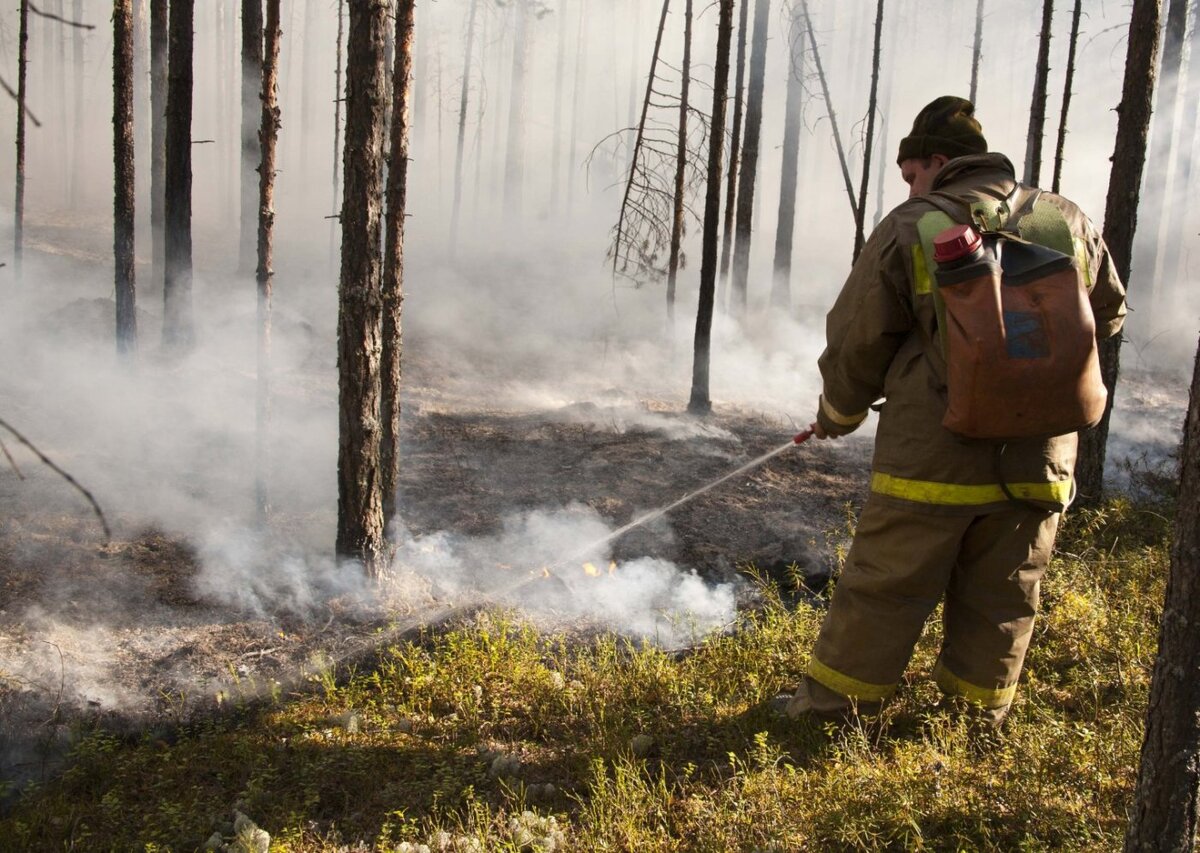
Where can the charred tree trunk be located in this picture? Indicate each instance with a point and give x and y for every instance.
(178, 322)
(1037, 109)
(735, 142)
(781, 291)
(837, 135)
(861, 211)
(1172, 270)
(1068, 82)
(252, 71)
(159, 48)
(393, 257)
(1167, 802)
(749, 170)
(699, 402)
(1120, 215)
(681, 159)
(462, 125)
(265, 272)
(123, 177)
(360, 313)
(19, 190)
(977, 50)
(514, 164)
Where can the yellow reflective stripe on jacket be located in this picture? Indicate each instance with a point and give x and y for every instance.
(838, 418)
(841, 683)
(922, 280)
(999, 697)
(954, 494)
(1081, 258)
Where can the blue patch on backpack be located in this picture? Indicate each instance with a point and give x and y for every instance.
(1025, 335)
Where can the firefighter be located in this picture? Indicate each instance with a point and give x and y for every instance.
(943, 522)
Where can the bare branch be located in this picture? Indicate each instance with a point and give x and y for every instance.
(50, 16)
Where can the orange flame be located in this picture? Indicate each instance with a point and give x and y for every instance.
(590, 570)
(612, 567)
(545, 572)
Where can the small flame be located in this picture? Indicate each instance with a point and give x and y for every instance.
(545, 572)
(612, 567)
(590, 570)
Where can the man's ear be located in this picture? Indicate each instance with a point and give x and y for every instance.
(939, 160)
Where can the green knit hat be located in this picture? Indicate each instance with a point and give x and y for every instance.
(948, 127)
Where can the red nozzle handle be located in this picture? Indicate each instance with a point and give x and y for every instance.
(803, 436)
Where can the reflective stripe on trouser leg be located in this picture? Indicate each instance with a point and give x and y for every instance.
(991, 603)
(897, 569)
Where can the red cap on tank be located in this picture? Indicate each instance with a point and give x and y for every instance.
(955, 243)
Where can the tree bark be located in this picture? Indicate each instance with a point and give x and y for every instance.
(514, 164)
(735, 142)
(462, 125)
(861, 211)
(19, 189)
(265, 272)
(749, 168)
(977, 50)
(1120, 215)
(1167, 802)
(1037, 110)
(1068, 82)
(338, 96)
(781, 291)
(252, 71)
(123, 178)
(360, 320)
(178, 322)
(393, 256)
(159, 49)
(681, 158)
(699, 402)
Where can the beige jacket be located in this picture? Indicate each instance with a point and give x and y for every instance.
(876, 349)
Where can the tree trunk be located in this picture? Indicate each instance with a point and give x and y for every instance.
(781, 290)
(1120, 215)
(1167, 802)
(159, 44)
(749, 170)
(514, 164)
(861, 211)
(1037, 110)
(977, 50)
(252, 62)
(837, 135)
(699, 402)
(178, 322)
(265, 272)
(735, 142)
(1068, 82)
(462, 125)
(123, 177)
(19, 190)
(360, 320)
(681, 158)
(338, 96)
(1172, 270)
(393, 257)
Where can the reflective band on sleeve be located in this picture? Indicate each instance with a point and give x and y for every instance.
(922, 282)
(1081, 258)
(1000, 697)
(838, 418)
(847, 686)
(953, 494)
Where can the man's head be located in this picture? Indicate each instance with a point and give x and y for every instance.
(943, 130)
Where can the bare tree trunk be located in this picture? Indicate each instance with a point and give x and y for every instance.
(681, 159)
(123, 177)
(1120, 215)
(781, 290)
(514, 168)
(252, 62)
(159, 49)
(1183, 153)
(462, 125)
(393, 257)
(837, 135)
(265, 272)
(1164, 816)
(699, 402)
(1068, 82)
(360, 315)
(339, 94)
(749, 169)
(977, 50)
(861, 211)
(1037, 110)
(178, 322)
(735, 143)
(19, 191)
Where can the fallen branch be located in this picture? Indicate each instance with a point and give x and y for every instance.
(52, 17)
(11, 461)
(46, 461)
(28, 111)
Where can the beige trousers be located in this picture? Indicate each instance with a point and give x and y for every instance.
(987, 569)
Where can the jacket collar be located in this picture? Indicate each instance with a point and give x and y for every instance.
(974, 167)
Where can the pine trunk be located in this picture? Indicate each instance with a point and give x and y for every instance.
(781, 290)
(1037, 110)
(681, 159)
(735, 142)
(861, 211)
(749, 170)
(1164, 816)
(178, 322)
(1068, 82)
(19, 190)
(1120, 215)
(393, 257)
(252, 63)
(462, 125)
(360, 314)
(338, 97)
(977, 50)
(699, 402)
(123, 177)
(159, 49)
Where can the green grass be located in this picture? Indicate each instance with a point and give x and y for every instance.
(417, 751)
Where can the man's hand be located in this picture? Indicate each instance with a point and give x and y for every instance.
(818, 431)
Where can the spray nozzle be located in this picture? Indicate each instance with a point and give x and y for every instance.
(803, 436)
